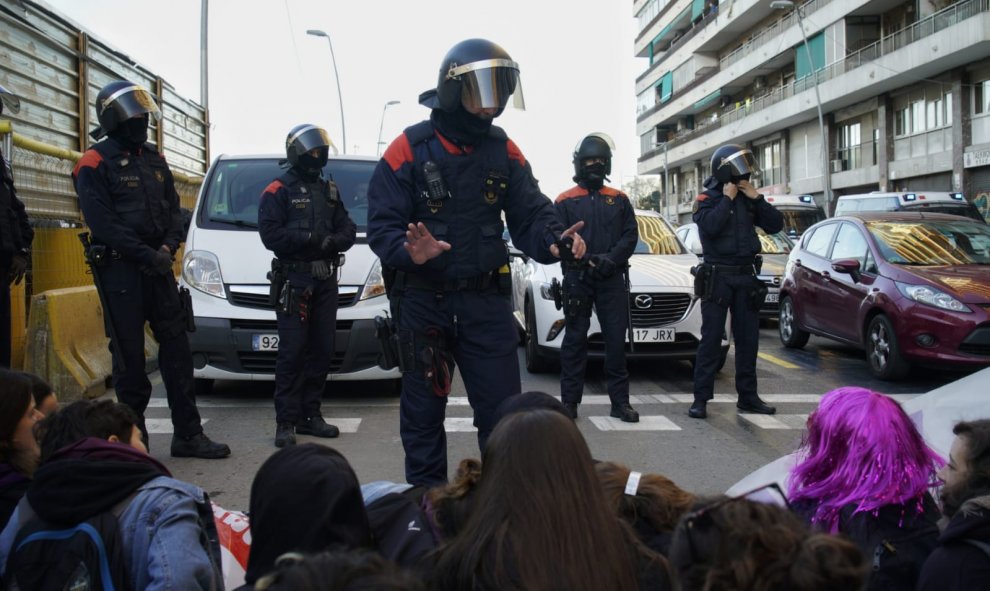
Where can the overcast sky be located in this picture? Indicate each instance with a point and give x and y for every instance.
(267, 75)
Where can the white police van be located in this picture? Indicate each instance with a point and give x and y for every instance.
(225, 267)
(930, 201)
(800, 212)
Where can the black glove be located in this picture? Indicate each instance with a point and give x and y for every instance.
(602, 267)
(161, 264)
(564, 244)
(328, 246)
(18, 265)
(315, 239)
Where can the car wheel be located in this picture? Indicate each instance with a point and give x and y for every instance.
(203, 386)
(882, 351)
(536, 362)
(790, 335)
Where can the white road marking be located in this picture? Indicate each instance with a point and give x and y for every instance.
(646, 423)
(459, 425)
(776, 421)
(163, 426)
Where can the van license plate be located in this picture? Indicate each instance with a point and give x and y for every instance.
(264, 342)
(653, 335)
(772, 298)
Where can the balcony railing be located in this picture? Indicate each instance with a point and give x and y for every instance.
(926, 27)
(771, 33)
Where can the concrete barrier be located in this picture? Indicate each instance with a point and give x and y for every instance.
(66, 343)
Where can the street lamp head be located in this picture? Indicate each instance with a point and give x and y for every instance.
(782, 4)
(317, 33)
(390, 103)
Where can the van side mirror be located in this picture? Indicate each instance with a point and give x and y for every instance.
(849, 267)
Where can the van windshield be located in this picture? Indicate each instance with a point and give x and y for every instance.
(796, 221)
(963, 209)
(235, 186)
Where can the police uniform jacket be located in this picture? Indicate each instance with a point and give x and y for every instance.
(292, 209)
(128, 199)
(727, 227)
(609, 220)
(484, 180)
(15, 231)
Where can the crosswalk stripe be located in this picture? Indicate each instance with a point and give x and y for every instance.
(776, 421)
(459, 425)
(646, 423)
(163, 426)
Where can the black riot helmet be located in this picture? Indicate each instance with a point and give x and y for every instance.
(9, 100)
(119, 101)
(479, 74)
(731, 162)
(302, 140)
(593, 145)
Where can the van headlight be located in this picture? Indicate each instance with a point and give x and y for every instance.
(931, 296)
(201, 270)
(375, 285)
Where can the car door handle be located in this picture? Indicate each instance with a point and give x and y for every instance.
(826, 275)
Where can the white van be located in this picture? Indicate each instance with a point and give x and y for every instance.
(930, 201)
(800, 212)
(225, 267)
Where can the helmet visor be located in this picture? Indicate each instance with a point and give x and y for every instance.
(10, 101)
(310, 137)
(489, 84)
(131, 101)
(742, 163)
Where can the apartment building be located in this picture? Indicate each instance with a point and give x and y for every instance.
(903, 89)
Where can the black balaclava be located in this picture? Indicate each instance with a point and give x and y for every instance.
(132, 133)
(310, 167)
(304, 498)
(593, 175)
(460, 126)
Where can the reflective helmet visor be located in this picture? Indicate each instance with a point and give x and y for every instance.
(489, 84)
(130, 101)
(10, 101)
(742, 163)
(592, 148)
(309, 137)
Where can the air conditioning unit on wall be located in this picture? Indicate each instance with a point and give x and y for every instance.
(837, 165)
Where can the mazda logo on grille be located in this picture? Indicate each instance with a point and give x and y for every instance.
(644, 301)
(776, 281)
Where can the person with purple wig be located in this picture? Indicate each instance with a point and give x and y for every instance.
(865, 471)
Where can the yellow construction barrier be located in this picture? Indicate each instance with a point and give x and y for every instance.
(66, 343)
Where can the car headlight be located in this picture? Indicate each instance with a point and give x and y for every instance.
(201, 270)
(375, 285)
(931, 296)
(545, 292)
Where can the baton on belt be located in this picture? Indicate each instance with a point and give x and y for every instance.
(95, 256)
(629, 326)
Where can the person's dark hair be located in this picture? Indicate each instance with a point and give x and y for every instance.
(15, 399)
(356, 570)
(40, 389)
(742, 544)
(82, 419)
(976, 480)
(658, 501)
(449, 505)
(527, 401)
(540, 519)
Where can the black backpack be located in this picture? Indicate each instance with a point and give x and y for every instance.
(87, 556)
(896, 547)
(401, 529)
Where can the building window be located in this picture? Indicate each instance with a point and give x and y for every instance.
(850, 150)
(902, 123)
(770, 162)
(981, 97)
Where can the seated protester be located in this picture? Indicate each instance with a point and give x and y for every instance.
(527, 401)
(45, 399)
(19, 449)
(539, 520)
(95, 463)
(962, 559)
(355, 570)
(651, 504)
(863, 470)
(448, 506)
(305, 498)
(734, 543)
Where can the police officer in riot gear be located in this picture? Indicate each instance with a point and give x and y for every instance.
(303, 221)
(15, 236)
(727, 214)
(611, 235)
(436, 202)
(128, 199)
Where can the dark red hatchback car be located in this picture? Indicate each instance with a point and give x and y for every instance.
(909, 288)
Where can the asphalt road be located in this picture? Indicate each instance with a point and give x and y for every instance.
(704, 456)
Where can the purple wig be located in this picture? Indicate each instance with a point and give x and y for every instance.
(861, 448)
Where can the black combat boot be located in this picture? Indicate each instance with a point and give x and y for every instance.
(625, 413)
(198, 446)
(317, 427)
(285, 434)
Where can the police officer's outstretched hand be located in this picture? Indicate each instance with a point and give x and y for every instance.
(602, 267)
(421, 245)
(161, 263)
(578, 247)
(18, 266)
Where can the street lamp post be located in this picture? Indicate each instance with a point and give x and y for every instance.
(382, 124)
(826, 176)
(340, 98)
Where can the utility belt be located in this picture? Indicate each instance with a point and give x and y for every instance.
(332, 264)
(499, 277)
(280, 294)
(705, 276)
(734, 269)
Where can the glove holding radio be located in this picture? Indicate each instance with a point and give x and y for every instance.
(161, 263)
(602, 267)
(568, 245)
